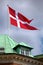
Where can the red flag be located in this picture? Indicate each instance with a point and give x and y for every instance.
(23, 18)
(19, 20)
(27, 26)
(12, 16)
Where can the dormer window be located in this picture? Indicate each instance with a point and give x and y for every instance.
(1, 50)
(24, 51)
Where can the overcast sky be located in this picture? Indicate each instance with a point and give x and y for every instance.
(31, 9)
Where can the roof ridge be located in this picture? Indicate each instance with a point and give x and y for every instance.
(22, 43)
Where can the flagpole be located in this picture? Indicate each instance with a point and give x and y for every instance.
(9, 22)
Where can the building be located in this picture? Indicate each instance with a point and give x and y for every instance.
(39, 57)
(12, 53)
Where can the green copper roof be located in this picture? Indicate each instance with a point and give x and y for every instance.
(39, 56)
(24, 45)
(10, 46)
(7, 43)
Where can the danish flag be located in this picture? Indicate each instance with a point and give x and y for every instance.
(19, 20)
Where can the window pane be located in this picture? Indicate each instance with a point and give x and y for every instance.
(27, 52)
(22, 52)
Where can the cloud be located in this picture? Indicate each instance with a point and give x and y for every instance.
(31, 9)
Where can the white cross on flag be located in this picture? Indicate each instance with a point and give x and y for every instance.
(19, 20)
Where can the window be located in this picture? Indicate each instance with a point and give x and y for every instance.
(1, 50)
(22, 51)
(27, 52)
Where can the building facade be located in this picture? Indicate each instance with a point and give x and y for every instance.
(12, 53)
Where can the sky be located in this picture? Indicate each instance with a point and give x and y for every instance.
(30, 9)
